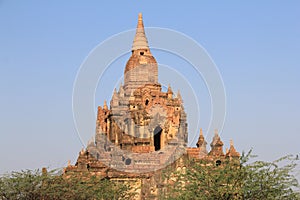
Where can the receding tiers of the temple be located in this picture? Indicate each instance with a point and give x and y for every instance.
(142, 118)
(144, 128)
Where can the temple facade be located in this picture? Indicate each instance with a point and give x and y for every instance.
(144, 129)
(142, 118)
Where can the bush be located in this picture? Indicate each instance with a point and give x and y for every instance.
(235, 180)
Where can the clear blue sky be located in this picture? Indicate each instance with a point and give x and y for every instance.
(255, 44)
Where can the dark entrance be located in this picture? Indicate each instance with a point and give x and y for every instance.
(157, 138)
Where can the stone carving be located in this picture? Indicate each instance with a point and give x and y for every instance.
(143, 130)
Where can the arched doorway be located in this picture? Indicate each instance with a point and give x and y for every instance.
(157, 138)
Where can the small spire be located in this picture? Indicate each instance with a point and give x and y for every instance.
(69, 163)
(169, 92)
(216, 146)
(179, 95)
(216, 139)
(82, 151)
(202, 144)
(140, 40)
(115, 99)
(232, 152)
(114, 96)
(169, 89)
(201, 141)
(105, 105)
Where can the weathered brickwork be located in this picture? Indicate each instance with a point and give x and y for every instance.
(143, 130)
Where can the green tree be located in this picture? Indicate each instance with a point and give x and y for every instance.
(21, 185)
(234, 179)
(31, 185)
(270, 180)
(84, 187)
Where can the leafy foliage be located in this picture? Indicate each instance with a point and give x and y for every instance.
(234, 179)
(31, 185)
(203, 180)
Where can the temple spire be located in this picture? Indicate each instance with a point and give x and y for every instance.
(216, 146)
(170, 92)
(216, 138)
(179, 96)
(140, 41)
(232, 152)
(201, 144)
(105, 105)
(201, 141)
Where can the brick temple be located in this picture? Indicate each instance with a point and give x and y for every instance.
(144, 129)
